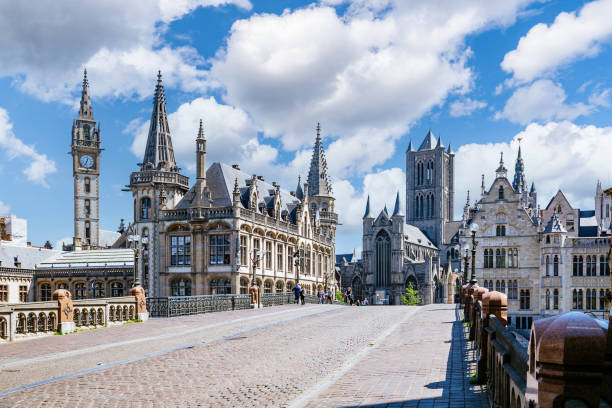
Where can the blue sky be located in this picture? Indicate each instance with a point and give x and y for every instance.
(375, 73)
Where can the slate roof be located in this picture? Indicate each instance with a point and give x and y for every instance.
(554, 225)
(349, 258)
(28, 256)
(429, 142)
(450, 230)
(415, 236)
(220, 179)
(95, 258)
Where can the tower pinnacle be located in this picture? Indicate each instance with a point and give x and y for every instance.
(318, 179)
(85, 110)
(159, 153)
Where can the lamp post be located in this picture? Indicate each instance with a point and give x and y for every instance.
(464, 248)
(134, 242)
(474, 229)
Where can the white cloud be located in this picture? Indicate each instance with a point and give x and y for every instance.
(366, 75)
(44, 46)
(570, 37)
(545, 100)
(465, 107)
(4, 208)
(39, 166)
(558, 155)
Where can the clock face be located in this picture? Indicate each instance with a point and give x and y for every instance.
(86, 161)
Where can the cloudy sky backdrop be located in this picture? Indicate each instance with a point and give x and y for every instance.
(375, 73)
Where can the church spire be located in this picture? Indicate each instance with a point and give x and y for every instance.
(396, 208)
(318, 179)
(159, 153)
(501, 170)
(85, 111)
(299, 193)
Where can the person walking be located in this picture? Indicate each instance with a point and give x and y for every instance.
(349, 295)
(296, 292)
(320, 296)
(302, 293)
(328, 298)
(365, 301)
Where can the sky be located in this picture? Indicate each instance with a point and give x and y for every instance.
(375, 73)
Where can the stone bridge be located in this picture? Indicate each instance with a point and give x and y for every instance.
(290, 355)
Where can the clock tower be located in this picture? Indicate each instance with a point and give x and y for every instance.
(85, 151)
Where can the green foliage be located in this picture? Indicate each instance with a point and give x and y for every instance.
(411, 297)
(339, 296)
(134, 321)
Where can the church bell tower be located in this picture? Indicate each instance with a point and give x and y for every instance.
(85, 151)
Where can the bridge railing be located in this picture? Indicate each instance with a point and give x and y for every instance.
(567, 360)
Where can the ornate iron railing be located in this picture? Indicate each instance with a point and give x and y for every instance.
(188, 305)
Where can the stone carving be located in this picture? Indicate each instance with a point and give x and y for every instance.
(141, 302)
(64, 302)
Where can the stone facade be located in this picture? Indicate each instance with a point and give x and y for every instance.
(15, 284)
(539, 258)
(206, 239)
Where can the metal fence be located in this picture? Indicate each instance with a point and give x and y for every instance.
(187, 305)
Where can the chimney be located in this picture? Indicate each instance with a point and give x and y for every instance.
(235, 167)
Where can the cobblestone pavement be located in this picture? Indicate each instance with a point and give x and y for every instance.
(312, 355)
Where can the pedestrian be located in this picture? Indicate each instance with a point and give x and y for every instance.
(320, 296)
(365, 301)
(329, 296)
(358, 303)
(302, 293)
(296, 292)
(349, 295)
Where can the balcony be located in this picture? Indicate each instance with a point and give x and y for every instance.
(159, 177)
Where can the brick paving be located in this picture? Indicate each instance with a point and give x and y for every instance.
(422, 361)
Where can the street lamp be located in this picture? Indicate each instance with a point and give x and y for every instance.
(474, 229)
(464, 249)
(134, 242)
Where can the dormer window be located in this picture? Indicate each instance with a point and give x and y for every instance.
(501, 192)
(500, 231)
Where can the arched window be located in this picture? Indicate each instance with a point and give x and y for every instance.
(556, 265)
(279, 286)
(503, 287)
(556, 299)
(180, 249)
(116, 289)
(383, 260)
(548, 239)
(80, 290)
(431, 213)
(87, 134)
(547, 265)
(497, 286)
(513, 289)
(45, 292)
(180, 287)
(268, 286)
(145, 208)
(87, 230)
(588, 299)
(580, 299)
(501, 192)
(87, 185)
(428, 208)
(87, 208)
(590, 265)
(578, 265)
(574, 299)
(500, 230)
(547, 299)
(416, 207)
(62, 285)
(98, 290)
(602, 300)
(500, 255)
(421, 208)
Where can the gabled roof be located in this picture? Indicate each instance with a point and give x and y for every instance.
(554, 225)
(429, 142)
(220, 179)
(559, 196)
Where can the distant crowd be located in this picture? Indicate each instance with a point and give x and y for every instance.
(326, 297)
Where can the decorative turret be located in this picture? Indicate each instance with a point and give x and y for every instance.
(202, 195)
(396, 208)
(483, 189)
(440, 143)
(159, 154)
(410, 148)
(299, 193)
(519, 183)
(367, 213)
(450, 149)
(501, 171)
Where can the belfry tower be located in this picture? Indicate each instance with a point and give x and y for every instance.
(320, 196)
(85, 151)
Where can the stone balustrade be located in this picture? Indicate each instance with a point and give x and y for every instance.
(567, 361)
(64, 315)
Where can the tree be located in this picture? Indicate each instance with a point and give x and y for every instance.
(339, 296)
(411, 297)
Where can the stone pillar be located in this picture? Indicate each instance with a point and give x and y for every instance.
(141, 302)
(474, 317)
(493, 303)
(566, 361)
(65, 324)
(466, 298)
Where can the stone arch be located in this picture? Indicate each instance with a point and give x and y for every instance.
(268, 286)
(279, 286)
(42, 322)
(259, 231)
(219, 225)
(51, 321)
(220, 285)
(411, 279)
(178, 226)
(289, 286)
(111, 313)
(246, 227)
(100, 317)
(32, 320)
(357, 288)
(244, 285)
(3, 328)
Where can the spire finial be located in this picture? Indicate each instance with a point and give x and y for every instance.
(501, 159)
(396, 207)
(367, 209)
(236, 185)
(467, 202)
(318, 131)
(201, 130)
(159, 77)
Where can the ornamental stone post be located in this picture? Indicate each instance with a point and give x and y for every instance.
(65, 323)
(141, 302)
(493, 303)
